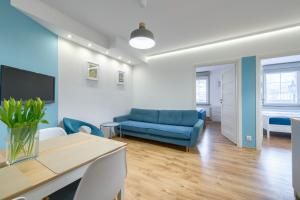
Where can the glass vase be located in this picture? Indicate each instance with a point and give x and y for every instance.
(22, 143)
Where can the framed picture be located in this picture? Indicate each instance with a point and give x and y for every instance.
(92, 73)
(121, 77)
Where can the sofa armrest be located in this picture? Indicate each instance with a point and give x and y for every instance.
(197, 129)
(121, 118)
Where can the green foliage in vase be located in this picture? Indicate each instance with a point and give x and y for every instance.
(22, 121)
(15, 115)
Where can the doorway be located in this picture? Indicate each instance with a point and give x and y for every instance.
(216, 95)
(280, 99)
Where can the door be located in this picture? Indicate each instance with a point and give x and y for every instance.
(228, 104)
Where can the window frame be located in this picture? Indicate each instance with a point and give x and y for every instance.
(281, 68)
(206, 76)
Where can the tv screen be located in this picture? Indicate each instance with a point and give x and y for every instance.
(22, 84)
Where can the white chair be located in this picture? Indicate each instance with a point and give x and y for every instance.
(48, 133)
(104, 178)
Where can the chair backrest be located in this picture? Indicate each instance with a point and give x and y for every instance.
(104, 178)
(19, 198)
(48, 133)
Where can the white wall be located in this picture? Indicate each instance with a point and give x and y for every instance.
(169, 81)
(215, 88)
(215, 95)
(91, 101)
(164, 84)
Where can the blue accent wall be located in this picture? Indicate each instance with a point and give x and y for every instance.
(27, 45)
(249, 100)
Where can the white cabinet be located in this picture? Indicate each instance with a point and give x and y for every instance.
(296, 156)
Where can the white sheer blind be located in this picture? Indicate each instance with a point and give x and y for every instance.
(281, 84)
(202, 88)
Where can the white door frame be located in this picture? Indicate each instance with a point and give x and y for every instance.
(238, 114)
(259, 127)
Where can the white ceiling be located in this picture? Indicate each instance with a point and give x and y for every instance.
(181, 23)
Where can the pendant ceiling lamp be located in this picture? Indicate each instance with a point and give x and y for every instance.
(142, 38)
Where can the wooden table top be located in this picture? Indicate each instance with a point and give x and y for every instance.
(57, 156)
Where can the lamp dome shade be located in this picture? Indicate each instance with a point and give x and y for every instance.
(142, 38)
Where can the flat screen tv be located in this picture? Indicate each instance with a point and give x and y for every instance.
(22, 84)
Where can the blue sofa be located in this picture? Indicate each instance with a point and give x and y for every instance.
(180, 127)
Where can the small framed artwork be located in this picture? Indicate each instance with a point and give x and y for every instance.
(93, 71)
(121, 78)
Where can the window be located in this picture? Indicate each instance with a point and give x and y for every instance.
(202, 88)
(281, 85)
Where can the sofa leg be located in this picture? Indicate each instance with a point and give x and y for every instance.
(187, 149)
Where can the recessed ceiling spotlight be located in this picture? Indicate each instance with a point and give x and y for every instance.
(89, 44)
(120, 58)
(106, 52)
(69, 36)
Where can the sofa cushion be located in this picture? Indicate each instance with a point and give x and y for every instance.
(280, 121)
(179, 132)
(135, 126)
(144, 115)
(171, 131)
(178, 117)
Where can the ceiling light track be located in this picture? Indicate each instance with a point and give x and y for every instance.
(225, 41)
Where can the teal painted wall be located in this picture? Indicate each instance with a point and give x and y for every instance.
(27, 45)
(249, 100)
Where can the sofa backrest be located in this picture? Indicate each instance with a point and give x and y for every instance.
(144, 115)
(178, 117)
(171, 117)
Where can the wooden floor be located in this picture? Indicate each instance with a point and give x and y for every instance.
(219, 171)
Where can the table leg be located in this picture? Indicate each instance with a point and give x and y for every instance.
(121, 194)
(110, 133)
(120, 131)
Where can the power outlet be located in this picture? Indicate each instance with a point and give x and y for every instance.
(249, 138)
